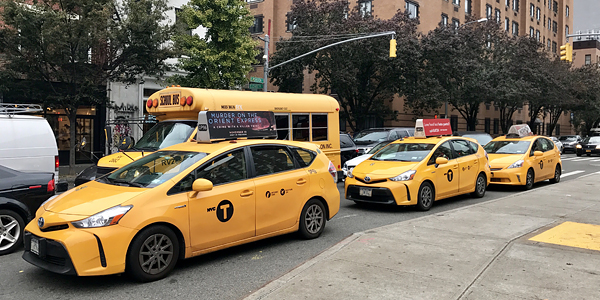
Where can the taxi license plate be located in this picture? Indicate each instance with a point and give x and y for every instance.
(588, 150)
(35, 246)
(365, 192)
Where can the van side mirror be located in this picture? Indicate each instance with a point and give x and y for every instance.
(201, 185)
(538, 153)
(441, 161)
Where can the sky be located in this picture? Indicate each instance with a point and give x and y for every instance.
(586, 15)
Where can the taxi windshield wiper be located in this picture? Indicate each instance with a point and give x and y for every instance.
(129, 183)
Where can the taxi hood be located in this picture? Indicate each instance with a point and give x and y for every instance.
(503, 160)
(117, 160)
(377, 169)
(91, 198)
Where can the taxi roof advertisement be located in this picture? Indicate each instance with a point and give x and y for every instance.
(215, 125)
(437, 127)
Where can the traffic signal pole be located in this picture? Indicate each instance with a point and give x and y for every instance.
(266, 39)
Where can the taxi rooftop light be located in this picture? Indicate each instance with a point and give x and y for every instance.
(432, 127)
(519, 131)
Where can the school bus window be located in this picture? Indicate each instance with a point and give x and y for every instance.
(283, 126)
(319, 127)
(300, 127)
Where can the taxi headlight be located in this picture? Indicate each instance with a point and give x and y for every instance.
(107, 217)
(516, 164)
(578, 146)
(408, 175)
(349, 173)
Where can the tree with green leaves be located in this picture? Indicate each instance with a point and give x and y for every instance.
(223, 57)
(361, 73)
(64, 52)
(586, 90)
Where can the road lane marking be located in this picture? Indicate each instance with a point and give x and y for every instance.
(568, 158)
(579, 235)
(582, 159)
(597, 160)
(348, 216)
(570, 173)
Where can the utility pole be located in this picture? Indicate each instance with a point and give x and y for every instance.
(266, 75)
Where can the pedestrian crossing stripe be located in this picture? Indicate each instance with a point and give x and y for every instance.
(571, 234)
(571, 173)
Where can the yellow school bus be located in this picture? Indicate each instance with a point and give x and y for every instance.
(299, 117)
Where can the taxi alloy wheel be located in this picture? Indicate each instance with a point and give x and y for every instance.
(11, 227)
(557, 173)
(312, 220)
(426, 196)
(480, 186)
(153, 254)
(530, 177)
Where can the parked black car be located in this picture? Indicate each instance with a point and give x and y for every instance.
(569, 142)
(366, 139)
(481, 137)
(21, 194)
(588, 146)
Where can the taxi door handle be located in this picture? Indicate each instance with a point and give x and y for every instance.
(246, 193)
(301, 181)
(455, 167)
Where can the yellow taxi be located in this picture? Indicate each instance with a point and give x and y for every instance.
(520, 158)
(183, 201)
(420, 170)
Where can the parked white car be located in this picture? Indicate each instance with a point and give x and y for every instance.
(558, 144)
(350, 164)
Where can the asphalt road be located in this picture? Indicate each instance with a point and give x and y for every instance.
(234, 273)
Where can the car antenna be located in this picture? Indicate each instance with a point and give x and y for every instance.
(123, 151)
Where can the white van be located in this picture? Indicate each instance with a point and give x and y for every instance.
(27, 143)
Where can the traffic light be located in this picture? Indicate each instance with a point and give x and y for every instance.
(566, 52)
(393, 48)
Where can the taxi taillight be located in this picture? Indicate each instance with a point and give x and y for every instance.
(189, 100)
(333, 171)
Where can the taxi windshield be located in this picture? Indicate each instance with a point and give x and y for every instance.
(507, 147)
(370, 136)
(165, 134)
(153, 169)
(377, 147)
(403, 152)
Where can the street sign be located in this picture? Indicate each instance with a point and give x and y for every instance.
(257, 80)
(256, 86)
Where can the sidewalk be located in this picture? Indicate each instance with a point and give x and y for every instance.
(482, 251)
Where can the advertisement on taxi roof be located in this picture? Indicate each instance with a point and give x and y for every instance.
(437, 127)
(239, 124)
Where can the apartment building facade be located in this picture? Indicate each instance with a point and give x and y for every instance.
(548, 21)
(586, 52)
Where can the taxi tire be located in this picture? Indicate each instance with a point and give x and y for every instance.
(528, 185)
(314, 209)
(424, 189)
(133, 267)
(7, 215)
(477, 193)
(557, 173)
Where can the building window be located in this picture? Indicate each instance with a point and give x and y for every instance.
(487, 125)
(549, 4)
(515, 5)
(454, 122)
(468, 7)
(554, 27)
(506, 24)
(257, 27)
(496, 126)
(537, 35)
(519, 122)
(555, 7)
(588, 59)
(538, 13)
(554, 47)
(497, 15)
(178, 20)
(531, 32)
(507, 2)
(456, 2)
(566, 30)
(557, 129)
(444, 20)
(532, 10)
(567, 11)
(549, 24)
(515, 28)
(365, 8)
(455, 23)
(291, 23)
(488, 11)
(413, 9)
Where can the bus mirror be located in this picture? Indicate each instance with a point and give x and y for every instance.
(126, 143)
(201, 185)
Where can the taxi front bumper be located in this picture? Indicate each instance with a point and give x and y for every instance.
(74, 251)
(514, 176)
(386, 192)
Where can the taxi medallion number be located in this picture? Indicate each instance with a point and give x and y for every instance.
(365, 192)
(35, 246)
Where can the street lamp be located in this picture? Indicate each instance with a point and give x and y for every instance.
(459, 27)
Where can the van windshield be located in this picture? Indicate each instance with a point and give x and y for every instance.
(165, 134)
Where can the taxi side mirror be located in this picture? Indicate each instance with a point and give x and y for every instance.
(201, 185)
(441, 161)
(538, 153)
